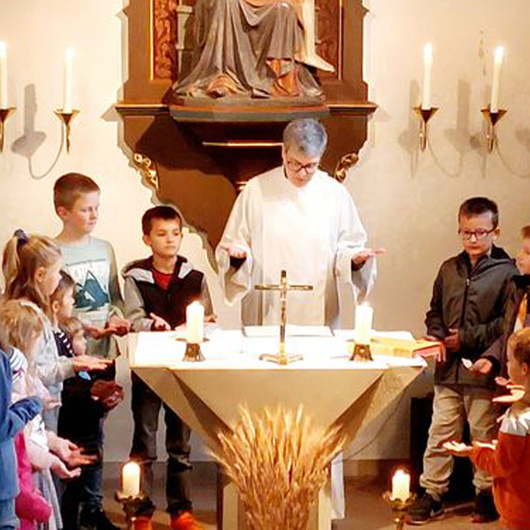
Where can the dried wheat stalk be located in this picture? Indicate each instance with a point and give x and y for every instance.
(278, 462)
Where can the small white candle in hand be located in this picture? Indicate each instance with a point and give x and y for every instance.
(130, 480)
(401, 485)
(427, 76)
(194, 323)
(67, 89)
(496, 81)
(363, 324)
(3, 75)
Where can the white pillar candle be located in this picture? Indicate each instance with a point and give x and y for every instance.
(195, 323)
(130, 480)
(3, 75)
(67, 88)
(363, 324)
(496, 81)
(401, 485)
(427, 76)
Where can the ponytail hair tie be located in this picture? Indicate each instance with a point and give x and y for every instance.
(22, 237)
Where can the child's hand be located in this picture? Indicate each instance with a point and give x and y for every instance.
(452, 341)
(101, 390)
(50, 403)
(457, 448)
(60, 469)
(78, 459)
(159, 324)
(114, 400)
(517, 392)
(62, 447)
(118, 326)
(482, 366)
(86, 363)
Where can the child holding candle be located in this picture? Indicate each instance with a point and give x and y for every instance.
(466, 314)
(157, 292)
(508, 461)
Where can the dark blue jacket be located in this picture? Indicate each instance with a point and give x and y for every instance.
(13, 418)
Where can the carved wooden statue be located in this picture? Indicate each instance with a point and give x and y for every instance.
(254, 48)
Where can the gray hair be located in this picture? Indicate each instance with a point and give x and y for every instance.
(307, 137)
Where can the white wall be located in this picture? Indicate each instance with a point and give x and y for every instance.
(407, 200)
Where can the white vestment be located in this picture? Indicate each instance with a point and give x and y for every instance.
(312, 232)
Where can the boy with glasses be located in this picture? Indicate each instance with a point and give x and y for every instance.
(466, 315)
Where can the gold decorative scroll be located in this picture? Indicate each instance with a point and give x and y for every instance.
(148, 170)
(346, 162)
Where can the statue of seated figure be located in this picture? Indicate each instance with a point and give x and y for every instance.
(253, 48)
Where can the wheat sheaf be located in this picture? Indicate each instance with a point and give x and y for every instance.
(278, 460)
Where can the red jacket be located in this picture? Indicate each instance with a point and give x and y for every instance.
(30, 506)
(509, 465)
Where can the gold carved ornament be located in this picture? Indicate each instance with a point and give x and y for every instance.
(345, 163)
(148, 170)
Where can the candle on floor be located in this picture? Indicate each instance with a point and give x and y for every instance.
(130, 480)
(401, 485)
(195, 323)
(363, 324)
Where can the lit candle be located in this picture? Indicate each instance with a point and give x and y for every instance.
(67, 88)
(194, 323)
(3, 75)
(364, 315)
(130, 480)
(496, 81)
(427, 74)
(401, 485)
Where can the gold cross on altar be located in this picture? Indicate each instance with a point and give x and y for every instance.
(284, 287)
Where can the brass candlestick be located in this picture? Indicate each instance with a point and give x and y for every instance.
(66, 119)
(193, 353)
(361, 352)
(4, 115)
(425, 115)
(130, 507)
(492, 118)
(399, 508)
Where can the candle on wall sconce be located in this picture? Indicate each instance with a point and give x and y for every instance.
(5, 109)
(492, 114)
(67, 113)
(425, 111)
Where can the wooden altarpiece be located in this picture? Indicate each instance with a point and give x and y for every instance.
(199, 158)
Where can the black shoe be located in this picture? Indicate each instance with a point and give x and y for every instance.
(423, 509)
(96, 520)
(484, 511)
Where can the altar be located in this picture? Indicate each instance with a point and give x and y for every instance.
(331, 388)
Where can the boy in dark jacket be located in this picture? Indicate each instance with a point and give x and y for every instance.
(466, 315)
(157, 291)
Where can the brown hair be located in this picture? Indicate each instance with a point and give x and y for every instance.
(70, 187)
(66, 282)
(525, 232)
(21, 323)
(72, 326)
(167, 213)
(519, 343)
(478, 206)
(23, 255)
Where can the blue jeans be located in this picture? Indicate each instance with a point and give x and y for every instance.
(8, 519)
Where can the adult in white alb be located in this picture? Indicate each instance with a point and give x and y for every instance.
(297, 218)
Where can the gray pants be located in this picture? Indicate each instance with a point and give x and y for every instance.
(452, 406)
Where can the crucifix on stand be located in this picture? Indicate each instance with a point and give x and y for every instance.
(284, 287)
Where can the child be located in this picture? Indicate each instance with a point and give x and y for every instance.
(89, 261)
(13, 418)
(157, 291)
(466, 313)
(94, 395)
(61, 308)
(508, 461)
(31, 266)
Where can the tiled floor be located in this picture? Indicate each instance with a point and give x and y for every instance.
(365, 508)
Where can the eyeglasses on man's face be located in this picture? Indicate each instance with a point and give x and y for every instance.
(296, 166)
(479, 234)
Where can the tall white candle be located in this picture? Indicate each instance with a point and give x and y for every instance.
(194, 323)
(496, 81)
(3, 75)
(427, 76)
(67, 88)
(130, 480)
(363, 324)
(401, 485)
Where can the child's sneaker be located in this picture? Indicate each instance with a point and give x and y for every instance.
(423, 509)
(184, 521)
(484, 511)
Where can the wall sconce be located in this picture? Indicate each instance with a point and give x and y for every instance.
(425, 115)
(492, 118)
(66, 119)
(5, 113)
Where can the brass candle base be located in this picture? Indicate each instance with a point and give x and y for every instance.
(193, 353)
(130, 506)
(66, 119)
(4, 115)
(399, 508)
(361, 352)
(425, 115)
(492, 118)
